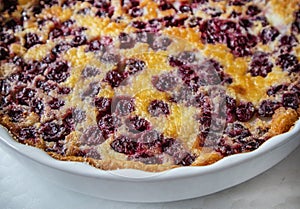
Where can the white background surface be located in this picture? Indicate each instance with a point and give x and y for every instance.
(278, 188)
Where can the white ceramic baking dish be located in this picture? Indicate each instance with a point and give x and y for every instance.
(139, 186)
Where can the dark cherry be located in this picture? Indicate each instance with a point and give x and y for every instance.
(238, 2)
(296, 89)
(64, 90)
(154, 25)
(15, 113)
(187, 160)
(103, 105)
(158, 107)
(199, 1)
(260, 64)
(123, 105)
(52, 131)
(287, 43)
(245, 111)
(174, 61)
(126, 42)
(245, 23)
(78, 41)
(61, 47)
(144, 37)
(31, 39)
(46, 86)
(91, 91)
(164, 82)
(110, 58)
(267, 108)
(137, 124)
(165, 5)
(194, 21)
(92, 136)
(7, 38)
(4, 52)
(35, 67)
(24, 96)
(55, 104)
(288, 62)
(170, 21)
(90, 72)
(135, 66)
(58, 71)
(252, 10)
(27, 133)
(51, 57)
(124, 145)
(108, 124)
(138, 24)
(216, 31)
(252, 144)
(136, 12)
(187, 57)
(228, 149)
(96, 45)
(37, 106)
(115, 78)
(151, 136)
(10, 5)
(263, 20)
(92, 153)
(18, 61)
(73, 117)
(241, 45)
(275, 89)
(4, 87)
(290, 100)
(237, 131)
(55, 33)
(269, 34)
(184, 95)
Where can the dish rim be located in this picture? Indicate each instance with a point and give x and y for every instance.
(83, 169)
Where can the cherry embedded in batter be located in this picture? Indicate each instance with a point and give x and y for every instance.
(136, 124)
(103, 105)
(123, 105)
(267, 108)
(290, 100)
(92, 136)
(288, 62)
(4, 52)
(245, 111)
(58, 71)
(31, 39)
(135, 66)
(124, 145)
(260, 64)
(164, 82)
(56, 104)
(27, 133)
(158, 107)
(108, 124)
(269, 34)
(115, 78)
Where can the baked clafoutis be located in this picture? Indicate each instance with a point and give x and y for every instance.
(149, 84)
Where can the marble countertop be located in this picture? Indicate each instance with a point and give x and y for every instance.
(278, 188)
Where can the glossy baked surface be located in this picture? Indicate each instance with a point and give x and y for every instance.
(150, 85)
